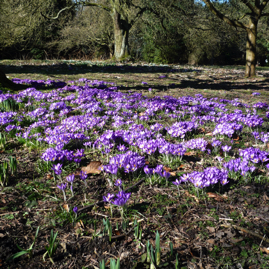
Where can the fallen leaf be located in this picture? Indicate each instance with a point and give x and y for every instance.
(190, 153)
(266, 250)
(180, 167)
(49, 176)
(216, 197)
(235, 137)
(209, 134)
(193, 196)
(211, 241)
(167, 169)
(211, 229)
(201, 130)
(92, 168)
(66, 207)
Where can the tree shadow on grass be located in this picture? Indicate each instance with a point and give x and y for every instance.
(227, 83)
(199, 84)
(75, 69)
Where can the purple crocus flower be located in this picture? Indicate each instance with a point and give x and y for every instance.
(226, 148)
(108, 198)
(166, 174)
(57, 168)
(147, 170)
(70, 178)
(62, 187)
(75, 210)
(176, 182)
(118, 183)
(83, 175)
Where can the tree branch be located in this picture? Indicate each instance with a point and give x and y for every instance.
(223, 17)
(263, 4)
(57, 16)
(96, 5)
(254, 9)
(77, 4)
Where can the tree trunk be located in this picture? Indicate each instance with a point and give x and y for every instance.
(251, 48)
(121, 35)
(6, 83)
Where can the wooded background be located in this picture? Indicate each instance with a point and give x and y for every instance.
(167, 31)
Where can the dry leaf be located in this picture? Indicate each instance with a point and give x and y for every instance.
(180, 167)
(193, 196)
(167, 169)
(92, 168)
(216, 197)
(266, 250)
(209, 134)
(66, 207)
(235, 137)
(201, 130)
(190, 153)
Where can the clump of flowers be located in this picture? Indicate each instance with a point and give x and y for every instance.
(239, 167)
(227, 129)
(209, 176)
(180, 129)
(129, 162)
(254, 155)
(256, 93)
(120, 200)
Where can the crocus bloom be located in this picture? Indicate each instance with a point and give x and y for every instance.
(108, 198)
(70, 178)
(75, 209)
(176, 182)
(226, 148)
(62, 187)
(83, 175)
(118, 182)
(57, 168)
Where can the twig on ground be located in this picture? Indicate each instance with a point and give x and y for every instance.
(246, 231)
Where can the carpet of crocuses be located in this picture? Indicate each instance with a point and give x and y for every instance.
(107, 166)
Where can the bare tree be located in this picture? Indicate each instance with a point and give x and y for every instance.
(249, 12)
(124, 14)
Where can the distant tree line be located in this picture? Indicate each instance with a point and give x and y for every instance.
(160, 31)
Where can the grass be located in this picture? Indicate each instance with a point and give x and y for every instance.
(32, 198)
